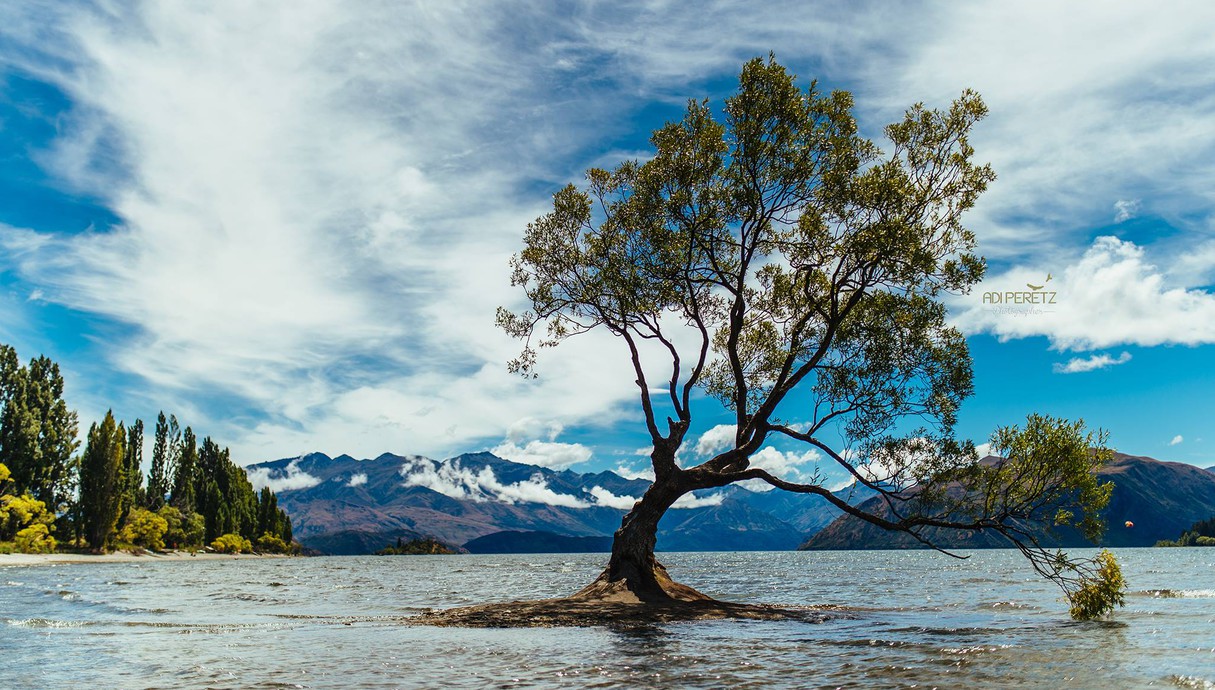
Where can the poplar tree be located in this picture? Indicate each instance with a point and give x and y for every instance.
(185, 488)
(132, 472)
(101, 481)
(37, 430)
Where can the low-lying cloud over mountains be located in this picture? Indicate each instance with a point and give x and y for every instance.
(344, 505)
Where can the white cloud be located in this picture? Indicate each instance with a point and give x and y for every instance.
(317, 203)
(521, 446)
(292, 478)
(715, 440)
(1176, 440)
(645, 472)
(1113, 295)
(357, 480)
(557, 456)
(604, 497)
(692, 501)
(1125, 209)
(454, 480)
(1102, 361)
(785, 464)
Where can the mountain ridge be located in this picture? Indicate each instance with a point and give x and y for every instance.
(344, 505)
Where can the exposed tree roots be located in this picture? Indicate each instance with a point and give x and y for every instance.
(620, 603)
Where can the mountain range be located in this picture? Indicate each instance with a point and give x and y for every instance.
(1151, 501)
(483, 503)
(346, 506)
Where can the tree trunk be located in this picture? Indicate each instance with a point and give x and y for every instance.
(633, 574)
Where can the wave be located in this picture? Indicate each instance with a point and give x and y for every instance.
(1192, 682)
(1176, 593)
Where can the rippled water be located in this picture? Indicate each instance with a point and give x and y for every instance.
(920, 620)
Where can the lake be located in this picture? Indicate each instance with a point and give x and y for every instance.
(919, 619)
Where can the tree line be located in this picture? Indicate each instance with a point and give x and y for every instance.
(193, 494)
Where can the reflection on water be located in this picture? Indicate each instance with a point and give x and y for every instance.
(915, 619)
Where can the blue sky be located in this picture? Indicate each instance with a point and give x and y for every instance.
(290, 223)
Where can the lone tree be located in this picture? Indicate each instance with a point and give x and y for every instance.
(782, 264)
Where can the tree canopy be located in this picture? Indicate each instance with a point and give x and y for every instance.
(771, 258)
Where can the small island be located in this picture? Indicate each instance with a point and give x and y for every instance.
(414, 547)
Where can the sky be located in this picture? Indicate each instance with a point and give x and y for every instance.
(290, 224)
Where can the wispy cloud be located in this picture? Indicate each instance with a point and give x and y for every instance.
(1078, 365)
(1177, 440)
(317, 203)
(1125, 209)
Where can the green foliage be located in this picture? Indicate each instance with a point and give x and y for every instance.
(183, 530)
(35, 539)
(231, 543)
(132, 475)
(791, 269)
(1201, 533)
(1100, 590)
(1047, 474)
(37, 430)
(145, 528)
(271, 543)
(423, 546)
(185, 475)
(165, 450)
(24, 514)
(101, 481)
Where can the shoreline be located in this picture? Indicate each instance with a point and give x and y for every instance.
(35, 559)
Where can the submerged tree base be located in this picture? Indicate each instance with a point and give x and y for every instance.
(583, 613)
(616, 603)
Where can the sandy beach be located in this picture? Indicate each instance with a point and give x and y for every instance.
(31, 559)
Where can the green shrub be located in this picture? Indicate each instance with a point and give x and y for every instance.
(270, 543)
(1100, 593)
(185, 530)
(35, 539)
(144, 528)
(19, 512)
(232, 543)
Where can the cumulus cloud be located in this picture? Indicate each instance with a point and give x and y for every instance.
(715, 440)
(357, 479)
(1102, 361)
(544, 453)
(1176, 440)
(290, 479)
(520, 445)
(1113, 295)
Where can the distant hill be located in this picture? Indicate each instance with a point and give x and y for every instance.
(346, 506)
(1162, 499)
(537, 542)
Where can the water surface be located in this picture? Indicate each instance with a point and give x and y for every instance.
(919, 619)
